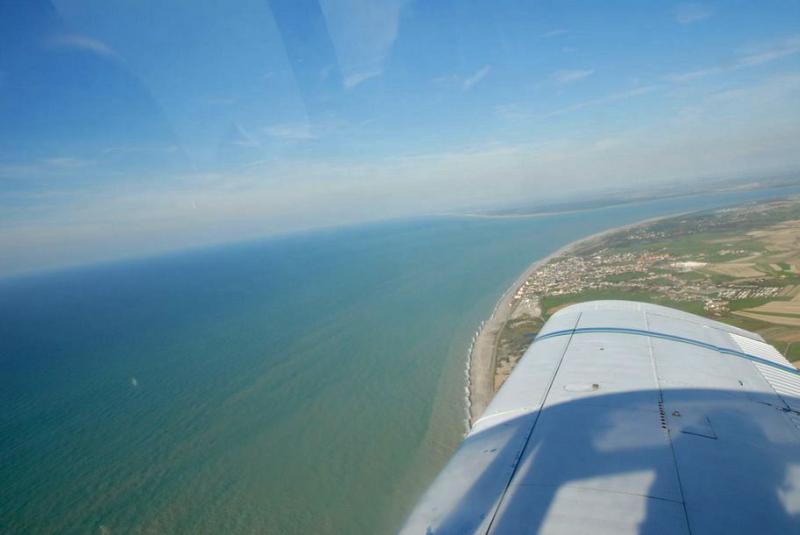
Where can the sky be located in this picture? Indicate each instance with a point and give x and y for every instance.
(133, 127)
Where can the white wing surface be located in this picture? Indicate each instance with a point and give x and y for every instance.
(626, 417)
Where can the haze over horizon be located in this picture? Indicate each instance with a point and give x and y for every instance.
(124, 134)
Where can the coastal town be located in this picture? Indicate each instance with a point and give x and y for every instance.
(739, 265)
(662, 273)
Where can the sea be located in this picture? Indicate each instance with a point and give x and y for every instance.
(311, 383)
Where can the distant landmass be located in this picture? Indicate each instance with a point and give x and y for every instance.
(621, 197)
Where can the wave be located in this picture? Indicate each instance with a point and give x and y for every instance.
(468, 379)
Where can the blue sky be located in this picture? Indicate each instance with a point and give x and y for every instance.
(145, 127)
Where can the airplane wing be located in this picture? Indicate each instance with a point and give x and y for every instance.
(627, 417)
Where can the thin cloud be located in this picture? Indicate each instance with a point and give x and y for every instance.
(327, 71)
(607, 99)
(66, 162)
(776, 50)
(516, 112)
(215, 101)
(354, 79)
(291, 132)
(570, 76)
(693, 75)
(239, 137)
(511, 111)
(691, 13)
(749, 57)
(479, 75)
(362, 38)
(83, 43)
(775, 89)
(554, 33)
(50, 167)
(140, 149)
(464, 82)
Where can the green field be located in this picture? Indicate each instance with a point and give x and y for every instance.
(551, 303)
(716, 239)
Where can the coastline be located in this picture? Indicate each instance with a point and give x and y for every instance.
(481, 360)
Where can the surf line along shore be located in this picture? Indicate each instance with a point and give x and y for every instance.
(482, 362)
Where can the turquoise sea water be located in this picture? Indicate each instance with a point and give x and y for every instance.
(308, 384)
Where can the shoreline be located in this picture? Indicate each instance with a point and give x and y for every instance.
(481, 363)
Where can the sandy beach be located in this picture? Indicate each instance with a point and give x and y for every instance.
(482, 358)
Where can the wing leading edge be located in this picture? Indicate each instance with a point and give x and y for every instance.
(627, 417)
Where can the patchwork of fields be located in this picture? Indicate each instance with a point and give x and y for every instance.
(739, 265)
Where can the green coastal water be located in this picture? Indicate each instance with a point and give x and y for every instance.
(309, 384)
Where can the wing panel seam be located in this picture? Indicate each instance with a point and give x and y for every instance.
(669, 434)
(530, 431)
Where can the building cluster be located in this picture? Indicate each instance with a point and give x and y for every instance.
(657, 273)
